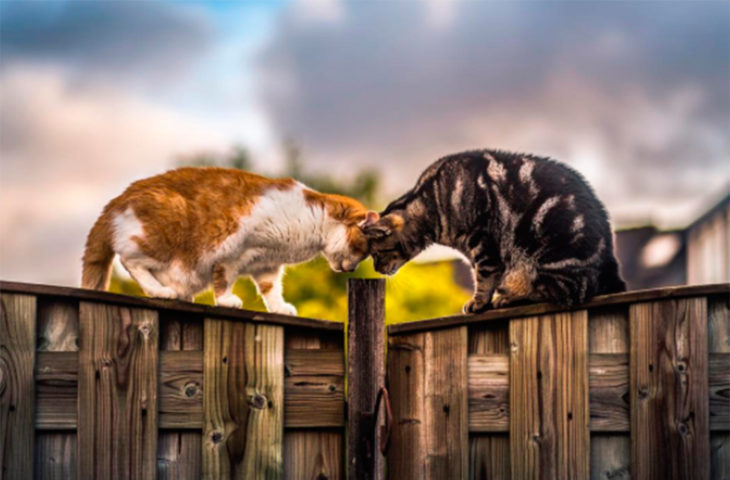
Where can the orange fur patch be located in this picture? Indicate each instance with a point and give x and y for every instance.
(517, 284)
(189, 211)
(265, 287)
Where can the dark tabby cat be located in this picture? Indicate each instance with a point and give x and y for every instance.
(532, 228)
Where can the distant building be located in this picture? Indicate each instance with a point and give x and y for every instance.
(698, 254)
(708, 246)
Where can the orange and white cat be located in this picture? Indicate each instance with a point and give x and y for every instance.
(178, 232)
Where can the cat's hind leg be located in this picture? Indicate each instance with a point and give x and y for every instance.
(486, 277)
(140, 272)
(269, 286)
(224, 276)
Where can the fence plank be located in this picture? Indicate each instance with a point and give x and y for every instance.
(669, 390)
(718, 336)
(549, 416)
(180, 396)
(17, 395)
(117, 395)
(243, 433)
(55, 456)
(447, 410)
(489, 401)
(608, 339)
(406, 371)
(312, 454)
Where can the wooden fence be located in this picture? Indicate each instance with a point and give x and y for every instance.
(635, 385)
(95, 385)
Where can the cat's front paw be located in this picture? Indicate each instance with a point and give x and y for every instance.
(164, 292)
(284, 308)
(475, 305)
(229, 300)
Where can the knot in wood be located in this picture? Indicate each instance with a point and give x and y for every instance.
(191, 389)
(682, 428)
(332, 388)
(681, 367)
(216, 437)
(258, 401)
(643, 391)
(145, 330)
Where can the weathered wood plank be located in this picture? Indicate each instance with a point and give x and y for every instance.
(718, 336)
(624, 298)
(98, 296)
(312, 454)
(311, 400)
(608, 393)
(264, 362)
(489, 453)
(608, 374)
(365, 376)
(180, 392)
(549, 436)
(446, 404)
(406, 377)
(56, 376)
(55, 456)
(117, 394)
(669, 390)
(488, 383)
(17, 392)
(243, 432)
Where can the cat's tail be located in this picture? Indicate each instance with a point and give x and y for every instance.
(98, 256)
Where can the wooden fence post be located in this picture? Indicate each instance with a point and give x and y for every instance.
(365, 376)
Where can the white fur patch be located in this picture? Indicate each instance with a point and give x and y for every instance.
(126, 227)
(578, 224)
(457, 194)
(577, 262)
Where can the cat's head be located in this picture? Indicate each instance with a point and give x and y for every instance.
(346, 244)
(390, 245)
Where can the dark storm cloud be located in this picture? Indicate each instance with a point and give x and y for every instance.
(642, 85)
(123, 40)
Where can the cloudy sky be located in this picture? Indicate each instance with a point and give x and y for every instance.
(635, 95)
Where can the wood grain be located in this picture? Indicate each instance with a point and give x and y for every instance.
(58, 324)
(616, 299)
(549, 436)
(312, 453)
(55, 456)
(608, 374)
(237, 314)
(489, 452)
(447, 410)
(17, 392)
(243, 400)
(117, 394)
(718, 336)
(406, 381)
(180, 395)
(669, 390)
(365, 376)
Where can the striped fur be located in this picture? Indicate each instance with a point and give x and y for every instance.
(532, 228)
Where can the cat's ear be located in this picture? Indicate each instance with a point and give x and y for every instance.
(370, 219)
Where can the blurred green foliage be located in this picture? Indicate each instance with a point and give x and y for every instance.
(417, 291)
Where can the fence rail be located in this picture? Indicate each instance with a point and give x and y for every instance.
(635, 385)
(97, 385)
